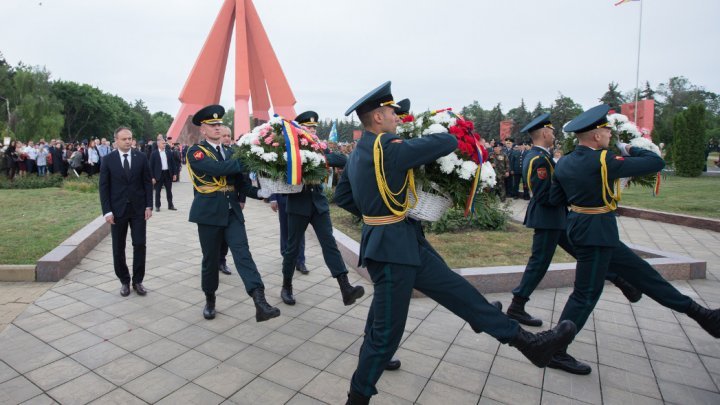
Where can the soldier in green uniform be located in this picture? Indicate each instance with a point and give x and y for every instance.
(502, 170)
(587, 181)
(216, 211)
(374, 185)
(310, 206)
(547, 220)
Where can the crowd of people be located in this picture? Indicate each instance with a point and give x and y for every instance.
(41, 158)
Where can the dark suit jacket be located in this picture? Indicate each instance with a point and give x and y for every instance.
(357, 192)
(538, 169)
(156, 164)
(117, 190)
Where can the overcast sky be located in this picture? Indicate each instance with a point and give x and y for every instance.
(438, 53)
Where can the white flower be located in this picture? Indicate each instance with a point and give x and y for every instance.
(269, 157)
(467, 169)
(258, 150)
(313, 158)
(435, 129)
(274, 121)
(447, 163)
(616, 119)
(444, 118)
(247, 139)
(487, 175)
(644, 143)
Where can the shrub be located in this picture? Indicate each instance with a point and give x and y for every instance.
(81, 184)
(689, 141)
(31, 182)
(488, 215)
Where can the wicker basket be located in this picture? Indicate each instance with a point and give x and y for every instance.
(275, 186)
(430, 206)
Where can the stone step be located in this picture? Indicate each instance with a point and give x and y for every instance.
(17, 272)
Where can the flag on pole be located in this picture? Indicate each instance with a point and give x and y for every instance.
(333, 133)
(624, 1)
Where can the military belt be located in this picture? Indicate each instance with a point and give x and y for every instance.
(383, 220)
(590, 210)
(210, 189)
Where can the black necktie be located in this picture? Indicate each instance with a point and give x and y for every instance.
(220, 156)
(126, 165)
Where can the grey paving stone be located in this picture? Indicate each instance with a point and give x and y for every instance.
(224, 379)
(290, 374)
(192, 336)
(460, 377)
(621, 397)
(135, 339)
(41, 399)
(221, 347)
(193, 395)
(76, 342)
(634, 364)
(314, 355)
(74, 309)
(334, 338)
(549, 398)
(191, 364)
(166, 326)
(477, 341)
(6, 372)
(154, 385)
(344, 366)
(629, 382)
(17, 390)
(111, 328)
(124, 369)
(692, 376)
(15, 344)
(262, 391)
(81, 390)
(253, 359)
(118, 397)
(684, 394)
(510, 392)
(279, 343)
(161, 351)
(300, 399)
(57, 373)
(249, 332)
(437, 392)
(91, 318)
(98, 355)
(585, 388)
(328, 388)
(426, 345)
(517, 371)
(402, 384)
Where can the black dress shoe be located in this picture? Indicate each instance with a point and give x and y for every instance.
(139, 289)
(355, 398)
(172, 208)
(540, 348)
(209, 310)
(125, 290)
(393, 364)
(224, 269)
(301, 268)
(157, 209)
(563, 361)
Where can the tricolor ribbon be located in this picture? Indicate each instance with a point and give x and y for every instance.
(470, 202)
(656, 189)
(292, 148)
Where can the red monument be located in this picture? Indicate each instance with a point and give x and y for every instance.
(258, 75)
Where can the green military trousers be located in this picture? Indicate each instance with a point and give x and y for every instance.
(211, 238)
(592, 265)
(321, 223)
(393, 285)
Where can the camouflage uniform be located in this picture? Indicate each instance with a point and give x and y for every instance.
(502, 165)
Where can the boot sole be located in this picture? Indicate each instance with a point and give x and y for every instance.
(360, 292)
(525, 321)
(262, 318)
(571, 370)
(288, 302)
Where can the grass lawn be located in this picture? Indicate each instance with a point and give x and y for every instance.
(468, 249)
(35, 221)
(686, 195)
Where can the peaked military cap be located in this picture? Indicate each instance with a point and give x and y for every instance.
(211, 114)
(542, 120)
(595, 117)
(404, 107)
(380, 97)
(308, 119)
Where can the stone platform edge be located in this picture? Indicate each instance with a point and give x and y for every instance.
(504, 278)
(709, 224)
(59, 261)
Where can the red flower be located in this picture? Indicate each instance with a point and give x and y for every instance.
(408, 118)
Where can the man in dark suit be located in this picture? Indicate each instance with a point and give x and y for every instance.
(310, 206)
(216, 211)
(126, 200)
(547, 220)
(177, 159)
(162, 170)
(397, 255)
(588, 180)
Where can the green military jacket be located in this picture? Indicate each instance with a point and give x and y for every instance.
(538, 169)
(357, 192)
(578, 181)
(216, 207)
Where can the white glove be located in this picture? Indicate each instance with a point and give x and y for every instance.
(263, 193)
(624, 147)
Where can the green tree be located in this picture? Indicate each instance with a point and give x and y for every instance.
(37, 113)
(161, 122)
(689, 147)
(648, 93)
(229, 119)
(563, 110)
(86, 110)
(613, 97)
(521, 117)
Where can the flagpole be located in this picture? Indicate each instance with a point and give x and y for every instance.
(637, 73)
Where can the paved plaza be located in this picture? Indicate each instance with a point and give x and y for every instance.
(77, 341)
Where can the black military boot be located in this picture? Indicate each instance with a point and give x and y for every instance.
(516, 311)
(357, 399)
(287, 293)
(263, 310)
(393, 364)
(540, 347)
(563, 361)
(349, 293)
(708, 319)
(209, 310)
(628, 290)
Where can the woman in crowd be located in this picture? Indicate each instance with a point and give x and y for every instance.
(93, 159)
(11, 158)
(42, 155)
